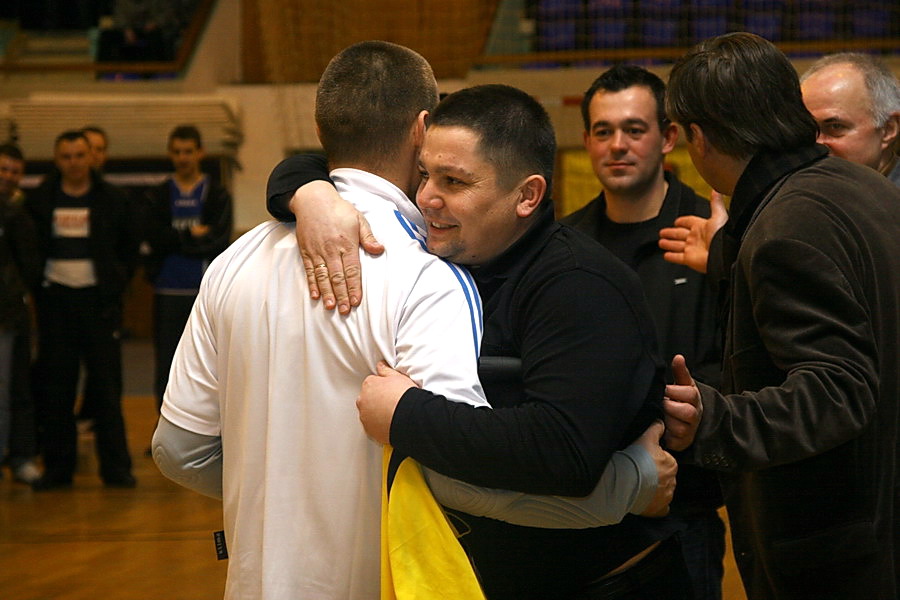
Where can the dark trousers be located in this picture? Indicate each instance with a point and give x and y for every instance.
(703, 545)
(23, 433)
(170, 315)
(661, 575)
(78, 325)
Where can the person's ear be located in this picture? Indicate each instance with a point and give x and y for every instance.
(698, 140)
(890, 135)
(670, 137)
(531, 194)
(586, 138)
(419, 127)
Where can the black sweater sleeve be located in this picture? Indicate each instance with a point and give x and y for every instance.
(589, 374)
(289, 175)
(24, 246)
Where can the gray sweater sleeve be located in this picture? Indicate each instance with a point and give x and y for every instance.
(189, 459)
(628, 484)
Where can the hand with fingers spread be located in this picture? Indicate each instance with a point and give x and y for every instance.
(330, 232)
(687, 242)
(682, 407)
(666, 468)
(378, 399)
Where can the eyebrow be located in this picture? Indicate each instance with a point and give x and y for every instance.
(446, 169)
(626, 123)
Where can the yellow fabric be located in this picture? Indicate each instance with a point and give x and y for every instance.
(420, 556)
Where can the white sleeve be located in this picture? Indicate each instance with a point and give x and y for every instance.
(191, 399)
(439, 334)
(189, 459)
(628, 484)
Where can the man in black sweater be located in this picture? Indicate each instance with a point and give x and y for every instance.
(88, 245)
(586, 378)
(627, 136)
(19, 273)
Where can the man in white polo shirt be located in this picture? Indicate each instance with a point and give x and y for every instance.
(274, 381)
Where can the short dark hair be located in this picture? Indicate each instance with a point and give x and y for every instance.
(514, 130)
(95, 129)
(11, 150)
(621, 77)
(186, 132)
(368, 98)
(70, 136)
(743, 92)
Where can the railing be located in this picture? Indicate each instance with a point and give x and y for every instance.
(301, 35)
(189, 40)
(674, 52)
(560, 32)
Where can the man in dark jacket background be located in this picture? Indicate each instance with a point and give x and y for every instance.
(804, 429)
(20, 271)
(88, 240)
(627, 136)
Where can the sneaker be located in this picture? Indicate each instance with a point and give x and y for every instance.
(27, 472)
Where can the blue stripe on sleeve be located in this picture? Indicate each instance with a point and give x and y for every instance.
(462, 276)
(411, 229)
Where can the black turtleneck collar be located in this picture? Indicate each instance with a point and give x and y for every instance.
(763, 171)
(491, 275)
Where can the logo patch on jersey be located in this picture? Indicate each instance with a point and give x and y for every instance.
(72, 222)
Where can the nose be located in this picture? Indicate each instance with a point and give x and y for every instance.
(427, 196)
(825, 140)
(618, 140)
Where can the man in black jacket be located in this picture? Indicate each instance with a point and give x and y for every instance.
(573, 319)
(19, 273)
(804, 428)
(627, 136)
(88, 242)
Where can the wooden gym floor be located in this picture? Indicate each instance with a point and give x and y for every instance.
(154, 541)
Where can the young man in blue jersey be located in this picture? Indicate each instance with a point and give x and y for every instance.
(189, 218)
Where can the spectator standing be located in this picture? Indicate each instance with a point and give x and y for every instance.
(88, 240)
(188, 223)
(19, 271)
(99, 143)
(855, 99)
(627, 136)
(804, 428)
(151, 29)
